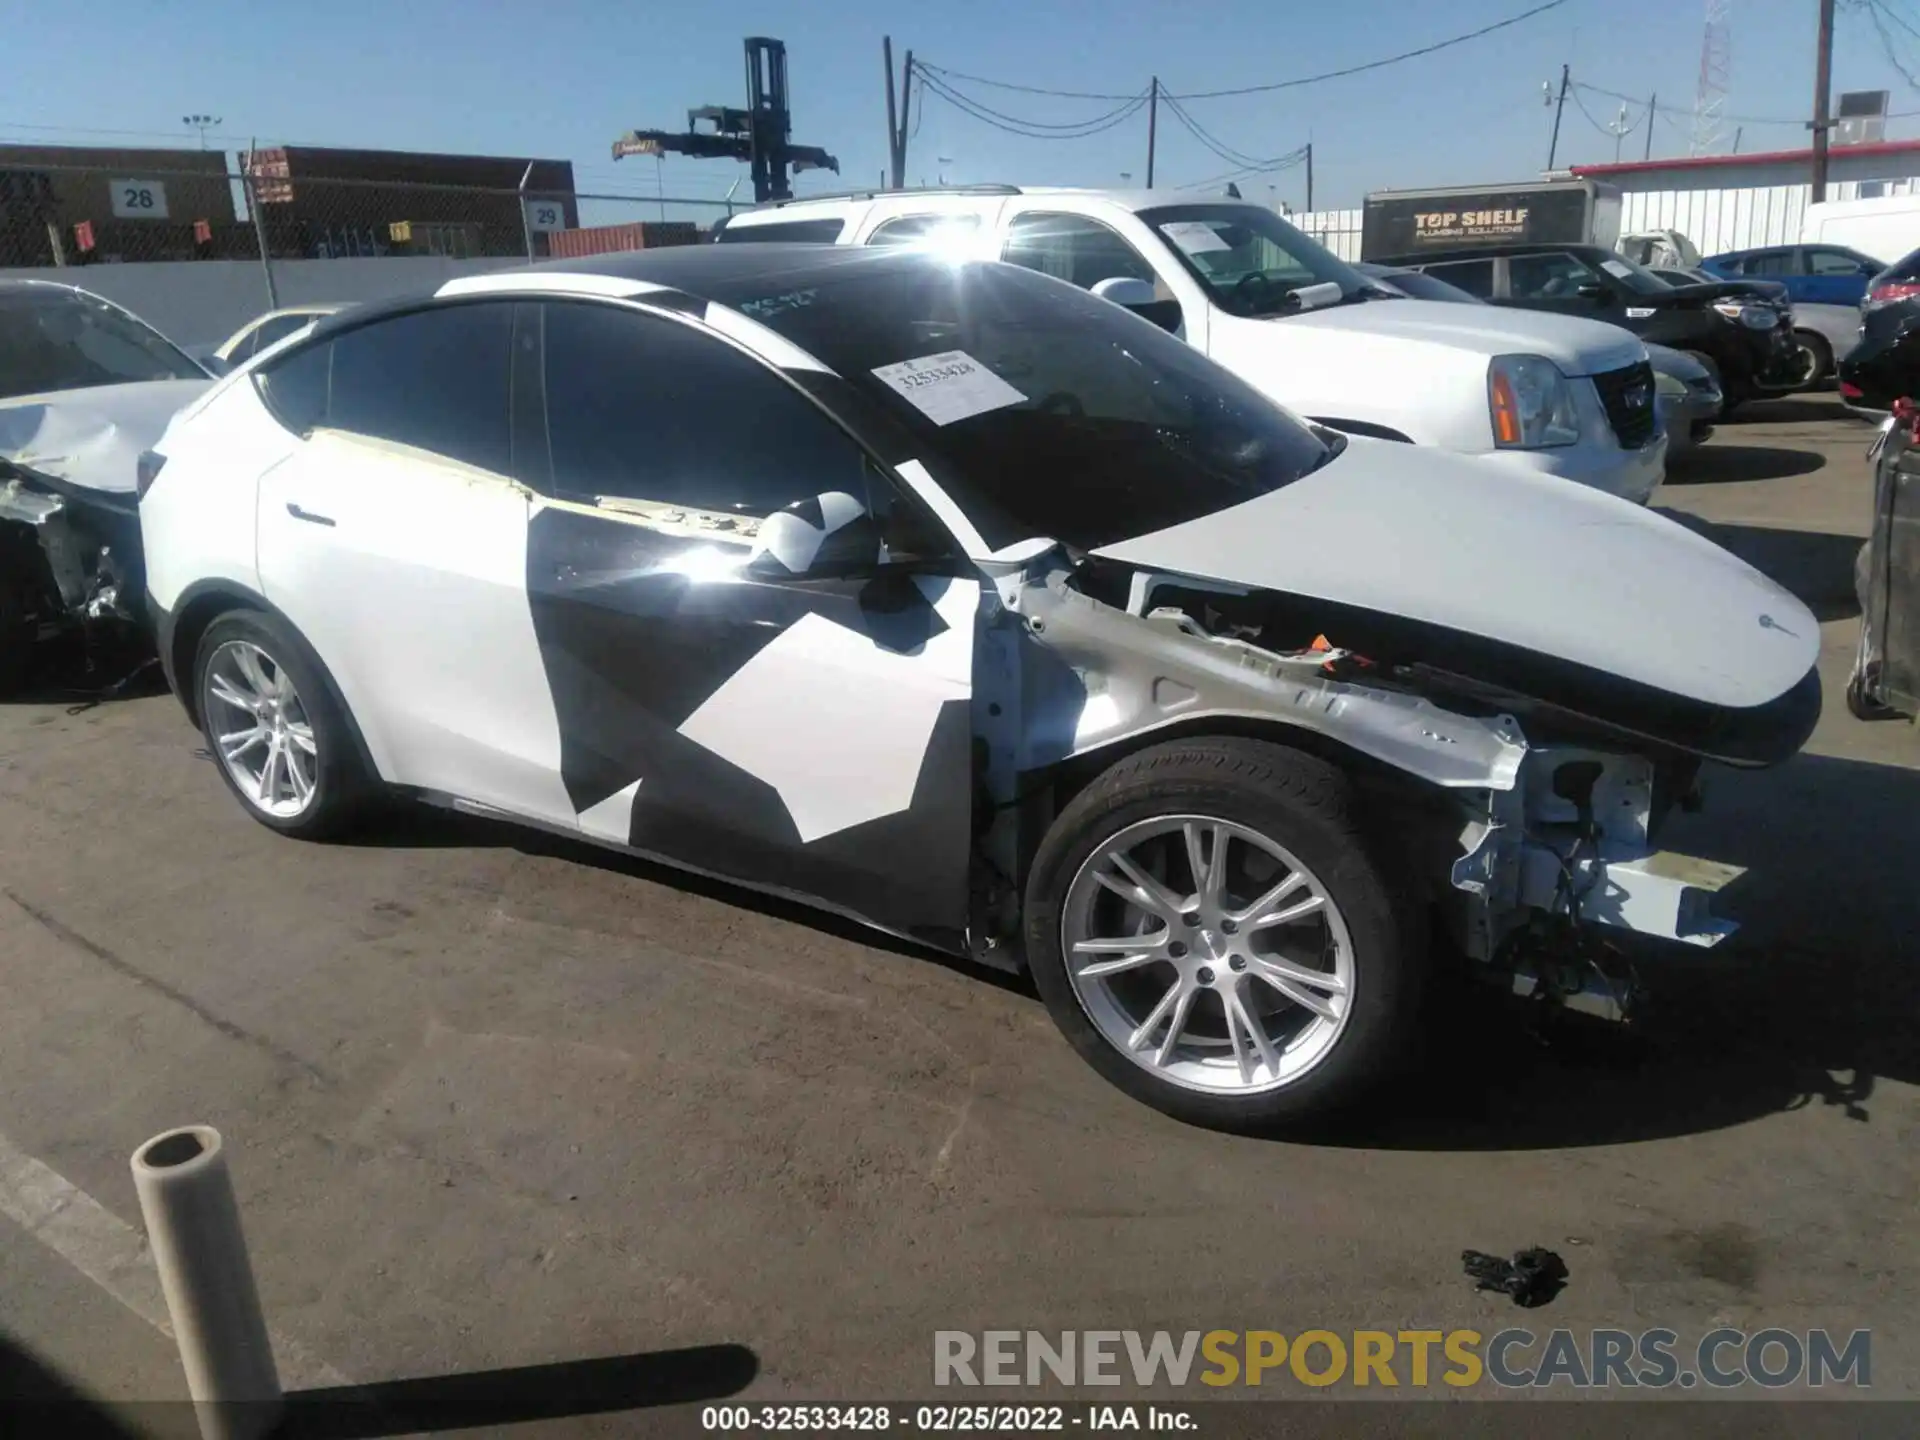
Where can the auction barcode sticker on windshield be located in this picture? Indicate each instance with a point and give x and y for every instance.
(1196, 237)
(949, 386)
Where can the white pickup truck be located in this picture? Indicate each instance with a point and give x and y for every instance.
(1546, 393)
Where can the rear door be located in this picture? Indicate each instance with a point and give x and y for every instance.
(1084, 250)
(395, 538)
(808, 733)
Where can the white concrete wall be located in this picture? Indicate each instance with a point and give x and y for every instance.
(201, 302)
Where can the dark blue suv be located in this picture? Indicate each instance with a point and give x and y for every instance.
(1813, 274)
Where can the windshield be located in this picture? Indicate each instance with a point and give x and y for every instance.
(1253, 263)
(1634, 275)
(1043, 410)
(58, 339)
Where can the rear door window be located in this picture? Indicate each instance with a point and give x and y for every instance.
(814, 232)
(914, 229)
(1473, 276)
(1073, 248)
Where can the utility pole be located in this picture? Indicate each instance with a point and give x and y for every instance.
(906, 110)
(1309, 177)
(1553, 146)
(1822, 84)
(1653, 109)
(1153, 123)
(893, 127)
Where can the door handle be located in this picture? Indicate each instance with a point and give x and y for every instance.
(307, 515)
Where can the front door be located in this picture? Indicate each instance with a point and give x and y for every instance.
(1563, 283)
(797, 731)
(394, 538)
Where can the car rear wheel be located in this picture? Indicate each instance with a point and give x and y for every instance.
(275, 732)
(1209, 928)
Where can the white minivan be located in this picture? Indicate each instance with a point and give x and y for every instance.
(1545, 393)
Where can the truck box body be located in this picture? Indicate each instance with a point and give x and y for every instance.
(1397, 224)
(1886, 227)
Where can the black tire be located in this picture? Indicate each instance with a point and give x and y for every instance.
(342, 786)
(1728, 399)
(1304, 805)
(16, 635)
(1820, 361)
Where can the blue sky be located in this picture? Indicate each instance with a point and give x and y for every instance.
(563, 78)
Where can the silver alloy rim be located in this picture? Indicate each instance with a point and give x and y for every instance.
(261, 730)
(1809, 363)
(1208, 955)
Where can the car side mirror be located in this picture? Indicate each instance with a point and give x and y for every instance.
(215, 366)
(1138, 296)
(1594, 293)
(821, 536)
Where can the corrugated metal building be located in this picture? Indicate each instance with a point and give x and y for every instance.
(1739, 202)
(1720, 202)
(320, 203)
(107, 203)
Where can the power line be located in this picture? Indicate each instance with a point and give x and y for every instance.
(1214, 143)
(1436, 46)
(1285, 162)
(947, 91)
(923, 67)
(1031, 129)
(1605, 129)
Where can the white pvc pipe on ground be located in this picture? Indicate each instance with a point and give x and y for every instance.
(193, 1224)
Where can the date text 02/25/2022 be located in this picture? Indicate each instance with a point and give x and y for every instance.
(945, 1419)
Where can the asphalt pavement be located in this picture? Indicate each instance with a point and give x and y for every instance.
(498, 1102)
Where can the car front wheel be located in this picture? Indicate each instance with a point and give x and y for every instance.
(1211, 931)
(273, 728)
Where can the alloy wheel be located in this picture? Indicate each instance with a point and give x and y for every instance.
(261, 731)
(1208, 954)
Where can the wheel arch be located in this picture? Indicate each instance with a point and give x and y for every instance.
(204, 602)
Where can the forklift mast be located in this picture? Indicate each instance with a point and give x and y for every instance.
(760, 134)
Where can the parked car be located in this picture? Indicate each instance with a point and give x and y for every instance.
(1743, 334)
(1245, 288)
(1884, 364)
(85, 387)
(953, 598)
(1685, 390)
(1822, 332)
(265, 331)
(1812, 274)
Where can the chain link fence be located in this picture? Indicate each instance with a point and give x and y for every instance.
(80, 215)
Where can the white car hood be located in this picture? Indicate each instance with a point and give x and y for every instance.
(1530, 561)
(92, 437)
(1578, 347)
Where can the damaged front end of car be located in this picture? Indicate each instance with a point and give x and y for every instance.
(1529, 830)
(70, 564)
